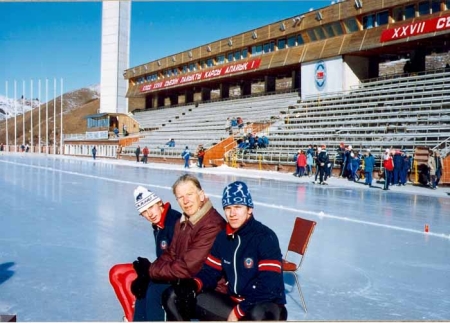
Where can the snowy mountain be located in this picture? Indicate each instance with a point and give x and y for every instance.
(10, 107)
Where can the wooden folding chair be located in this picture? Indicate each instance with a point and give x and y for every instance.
(303, 229)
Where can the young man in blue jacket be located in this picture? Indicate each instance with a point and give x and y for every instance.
(247, 254)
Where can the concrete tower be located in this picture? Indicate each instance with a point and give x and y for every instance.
(116, 17)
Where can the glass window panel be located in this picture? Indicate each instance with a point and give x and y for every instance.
(435, 6)
(329, 30)
(337, 28)
(410, 11)
(397, 14)
(192, 67)
(368, 21)
(175, 71)
(300, 40)
(281, 43)
(244, 53)
(268, 47)
(424, 8)
(447, 4)
(382, 18)
(210, 62)
(237, 55)
(320, 33)
(256, 50)
(351, 25)
(291, 41)
(312, 35)
(230, 57)
(220, 59)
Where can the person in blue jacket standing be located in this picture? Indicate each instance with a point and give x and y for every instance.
(186, 155)
(247, 254)
(369, 164)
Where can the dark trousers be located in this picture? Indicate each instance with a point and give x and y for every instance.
(214, 306)
(368, 178)
(137, 158)
(150, 308)
(438, 175)
(387, 178)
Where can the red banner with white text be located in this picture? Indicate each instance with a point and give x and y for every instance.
(204, 75)
(415, 29)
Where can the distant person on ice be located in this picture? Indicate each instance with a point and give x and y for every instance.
(94, 152)
(124, 277)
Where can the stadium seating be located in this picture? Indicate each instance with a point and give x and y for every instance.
(401, 112)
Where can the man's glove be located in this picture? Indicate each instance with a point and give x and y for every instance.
(186, 301)
(139, 286)
(142, 266)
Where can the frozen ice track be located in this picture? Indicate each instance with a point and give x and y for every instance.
(64, 223)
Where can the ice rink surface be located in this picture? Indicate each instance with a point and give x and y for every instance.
(64, 222)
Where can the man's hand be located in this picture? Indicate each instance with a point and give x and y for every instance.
(232, 317)
(142, 266)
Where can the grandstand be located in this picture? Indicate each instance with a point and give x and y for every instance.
(401, 111)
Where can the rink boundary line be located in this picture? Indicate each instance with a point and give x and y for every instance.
(320, 215)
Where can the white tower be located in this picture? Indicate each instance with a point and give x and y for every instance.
(116, 17)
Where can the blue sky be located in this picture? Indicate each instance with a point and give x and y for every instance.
(41, 40)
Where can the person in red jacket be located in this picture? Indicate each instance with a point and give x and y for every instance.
(163, 219)
(301, 163)
(145, 152)
(192, 241)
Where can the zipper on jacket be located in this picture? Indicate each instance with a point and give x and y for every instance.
(234, 261)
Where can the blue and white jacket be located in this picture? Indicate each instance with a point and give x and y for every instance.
(251, 262)
(163, 231)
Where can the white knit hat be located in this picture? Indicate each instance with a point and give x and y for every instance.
(144, 198)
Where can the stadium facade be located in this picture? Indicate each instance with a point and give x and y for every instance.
(326, 50)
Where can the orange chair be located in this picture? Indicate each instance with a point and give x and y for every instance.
(303, 229)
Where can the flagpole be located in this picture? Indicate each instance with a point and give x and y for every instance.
(39, 101)
(54, 116)
(31, 120)
(23, 112)
(61, 127)
(46, 116)
(15, 116)
(6, 114)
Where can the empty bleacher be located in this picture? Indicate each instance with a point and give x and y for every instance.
(402, 112)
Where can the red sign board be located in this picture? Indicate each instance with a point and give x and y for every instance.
(204, 75)
(415, 29)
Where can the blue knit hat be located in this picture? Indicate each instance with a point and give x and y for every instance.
(237, 194)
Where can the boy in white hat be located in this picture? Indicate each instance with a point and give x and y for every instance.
(130, 281)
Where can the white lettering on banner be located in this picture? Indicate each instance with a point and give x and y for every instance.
(158, 85)
(188, 78)
(171, 82)
(213, 73)
(443, 22)
(409, 30)
(415, 29)
(236, 68)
